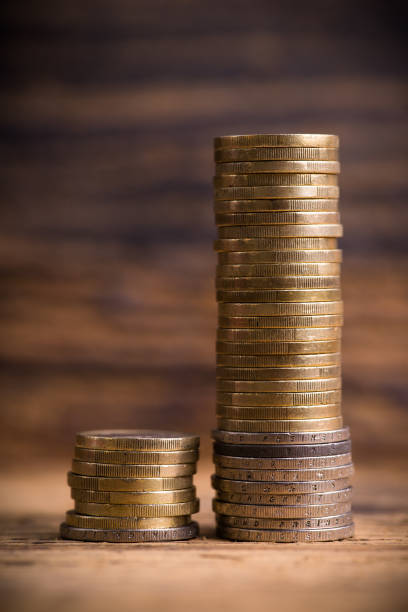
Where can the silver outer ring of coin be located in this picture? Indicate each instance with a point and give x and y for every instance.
(300, 535)
(285, 488)
(283, 451)
(310, 523)
(321, 437)
(284, 476)
(134, 535)
(298, 463)
(276, 499)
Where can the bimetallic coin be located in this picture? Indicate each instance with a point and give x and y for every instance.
(134, 497)
(143, 439)
(322, 466)
(289, 476)
(279, 269)
(278, 348)
(276, 205)
(137, 510)
(103, 522)
(276, 535)
(279, 295)
(332, 439)
(276, 282)
(292, 334)
(281, 488)
(300, 256)
(330, 230)
(278, 412)
(276, 153)
(288, 321)
(271, 179)
(292, 244)
(110, 470)
(282, 309)
(311, 523)
(135, 535)
(282, 373)
(277, 192)
(95, 483)
(276, 140)
(281, 512)
(278, 166)
(301, 499)
(289, 425)
(260, 361)
(267, 386)
(93, 455)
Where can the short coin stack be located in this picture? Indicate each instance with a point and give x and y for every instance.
(132, 486)
(283, 462)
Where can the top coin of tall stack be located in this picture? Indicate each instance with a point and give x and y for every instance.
(278, 340)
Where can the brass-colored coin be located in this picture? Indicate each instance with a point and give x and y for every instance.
(238, 444)
(279, 269)
(270, 179)
(276, 154)
(134, 439)
(278, 295)
(288, 425)
(278, 412)
(94, 455)
(266, 361)
(278, 166)
(267, 386)
(110, 470)
(280, 488)
(331, 230)
(103, 522)
(134, 497)
(186, 532)
(280, 399)
(282, 322)
(276, 140)
(283, 309)
(293, 373)
(312, 523)
(278, 192)
(137, 510)
(281, 512)
(292, 334)
(276, 535)
(275, 205)
(331, 497)
(95, 483)
(280, 257)
(279, 348)
(293, 469)
(280, 244)
(277, 282)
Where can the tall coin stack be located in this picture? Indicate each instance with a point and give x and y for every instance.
(282, 456)
(132, 486)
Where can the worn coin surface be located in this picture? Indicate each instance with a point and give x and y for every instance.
(285, 475)
(323, 466)
(276, 282)
(285, 153)
(110, 470)
(278, 166)
(277, 412)
(291, 243)
(329, 230)
(299, 256)
(261, 386)
(94, 455)
(276, 140)
(281, 309)
(96, 483)
(134, 497)
(333, 439)
(275, 535)
(291, 334)
(279, 269)
(266, 361)
(287, 425)
(143, 439)
(279, 399)
(137, 510)
(135, 535)
(104, 522)
(282, 322)
(278, 295)
(279, 348)
(285, 192)
(276, 205)
(302, 499)
(271, 179)
(270, 523)
(280, 488)
(281, 512)
(282, 373)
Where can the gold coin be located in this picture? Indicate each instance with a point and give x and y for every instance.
(276, 154)
(280, 257)
(134, 439)
(134, 497)
(273, 206)
(293, 535)
(285, 468)
(277, 192)
(312, 523)
(278, 166)
(279, 348)
(137, 510)
(276, 361)
(278, 373)
(282, 512)
(332, 497)
(132, 471)
(278, 412)
(277, 426)
(292, 488)
(263, 244)
(104, 522)
(333, 230)
(276, 140)
(278, 269)
(277, 322)
(292, 334)
(251, 386)
(277, 218)
(279, 399)
(264, 179)
(283, 309)
(99, 483)
(232, 283)
(279, 295)
(94, 455)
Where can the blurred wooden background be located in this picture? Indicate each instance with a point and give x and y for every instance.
(109, 110)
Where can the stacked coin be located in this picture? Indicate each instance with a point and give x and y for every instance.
(282, 456)
(132, 486)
